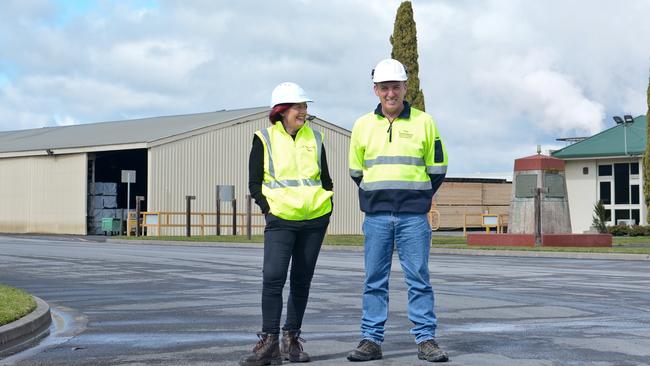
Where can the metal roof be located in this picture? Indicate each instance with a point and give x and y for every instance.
(610, 142)
(144, 130)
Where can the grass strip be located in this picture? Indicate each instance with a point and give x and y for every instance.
(14, 304)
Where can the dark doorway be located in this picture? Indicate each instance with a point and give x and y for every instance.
(107, 195)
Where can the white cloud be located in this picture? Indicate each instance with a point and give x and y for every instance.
(564, 106)
(153, 64)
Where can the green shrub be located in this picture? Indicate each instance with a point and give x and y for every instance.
(624, 230)
(618, 230)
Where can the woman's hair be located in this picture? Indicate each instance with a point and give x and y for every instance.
(276, 112)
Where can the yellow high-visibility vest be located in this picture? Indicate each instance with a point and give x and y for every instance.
(292, 168)
(395, 161)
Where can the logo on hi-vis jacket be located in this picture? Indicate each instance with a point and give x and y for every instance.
(309, 148)
(405, 134)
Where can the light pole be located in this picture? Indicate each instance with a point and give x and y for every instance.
(625, 121)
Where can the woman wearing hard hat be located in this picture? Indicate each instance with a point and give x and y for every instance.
(290, 181)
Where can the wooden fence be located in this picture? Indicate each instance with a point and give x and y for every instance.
(155, 222)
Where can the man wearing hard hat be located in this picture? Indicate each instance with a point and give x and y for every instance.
(398, 160)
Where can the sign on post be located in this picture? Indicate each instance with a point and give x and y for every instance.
(490, 220)
(128, 177)
(226, 193)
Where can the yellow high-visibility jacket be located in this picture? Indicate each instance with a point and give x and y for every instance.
(398, 166)
(292, 169)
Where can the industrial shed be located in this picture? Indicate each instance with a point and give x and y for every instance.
(52, 179)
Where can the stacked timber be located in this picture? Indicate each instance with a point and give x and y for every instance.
(454, 199)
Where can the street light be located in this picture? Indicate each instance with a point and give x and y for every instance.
(625, 121)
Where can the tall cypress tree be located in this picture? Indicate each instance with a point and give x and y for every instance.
(646, 159)
(405, 49)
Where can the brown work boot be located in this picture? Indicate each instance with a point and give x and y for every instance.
(367, 350)
(265, 352)
(430, 351)
(291, 347)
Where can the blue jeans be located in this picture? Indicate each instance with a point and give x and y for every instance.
(411, 234)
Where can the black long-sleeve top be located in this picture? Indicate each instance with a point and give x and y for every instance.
(256, 173)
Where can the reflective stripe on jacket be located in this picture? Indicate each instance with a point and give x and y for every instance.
(395, 164)
(292, 169)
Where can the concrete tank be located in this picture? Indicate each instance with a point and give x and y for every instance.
(539, 197)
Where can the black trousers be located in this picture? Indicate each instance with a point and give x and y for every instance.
(285, 241)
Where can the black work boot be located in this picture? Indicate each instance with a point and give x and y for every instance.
(265, 352)
(366, 351)
(291, 347)
(430, 351)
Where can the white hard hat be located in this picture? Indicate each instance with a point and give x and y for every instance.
(288, 92)
(389, 70)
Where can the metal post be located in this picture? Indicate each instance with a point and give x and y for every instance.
(138, 207)
(218, 213)
(128, 209)
(218, 217)
(249, 217)
(137, 216)
(234, 216)
(128, 177)
(538, 216)
(188, 219)
(625, 136)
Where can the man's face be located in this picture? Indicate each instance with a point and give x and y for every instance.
(391, 95)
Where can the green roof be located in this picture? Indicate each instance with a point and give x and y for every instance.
(610, 142)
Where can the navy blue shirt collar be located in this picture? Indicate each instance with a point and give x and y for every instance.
(406, 112)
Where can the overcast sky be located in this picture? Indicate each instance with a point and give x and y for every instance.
(499, 77)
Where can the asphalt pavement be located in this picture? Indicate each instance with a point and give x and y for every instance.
(149, 304)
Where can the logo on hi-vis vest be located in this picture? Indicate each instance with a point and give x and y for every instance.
(309, 148)
(405, 134)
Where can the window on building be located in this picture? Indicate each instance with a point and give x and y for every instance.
(634, 168)
(606, 192)
(585, 170)
(622, 183)
(634, 193)
(621, 215)
(604, 170)
(636, 216)
(608, 215)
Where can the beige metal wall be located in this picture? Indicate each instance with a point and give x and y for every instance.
(43, 194)
(196, 164)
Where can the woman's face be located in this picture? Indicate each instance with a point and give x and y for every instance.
(294, 118)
